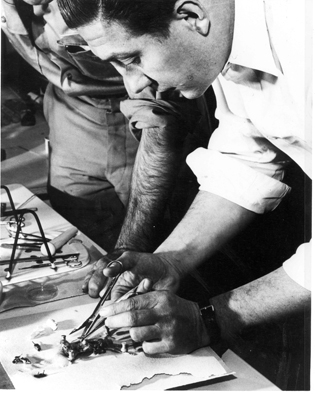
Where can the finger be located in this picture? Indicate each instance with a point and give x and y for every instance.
(96, 283)
(139, 302)
(86, 280)
(156, 347)
(131, 319)
(114, 268)
(125, 262)
(97, 280)
(146, 333)
(131, 293)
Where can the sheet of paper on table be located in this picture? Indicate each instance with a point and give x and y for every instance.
(110, 371)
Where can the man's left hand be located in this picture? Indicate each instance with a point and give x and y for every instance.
(162, 321)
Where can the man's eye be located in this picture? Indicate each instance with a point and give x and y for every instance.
(133, 61)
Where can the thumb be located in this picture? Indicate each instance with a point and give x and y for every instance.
(125, 262)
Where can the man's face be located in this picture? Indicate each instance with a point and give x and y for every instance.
(177, 62)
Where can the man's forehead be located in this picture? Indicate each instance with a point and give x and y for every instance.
(101, 32)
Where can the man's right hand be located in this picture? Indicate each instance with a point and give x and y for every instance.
(136, 266)
(95, 280)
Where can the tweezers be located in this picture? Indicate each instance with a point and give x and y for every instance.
(92, 319)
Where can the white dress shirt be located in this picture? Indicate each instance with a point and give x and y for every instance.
(263, 107)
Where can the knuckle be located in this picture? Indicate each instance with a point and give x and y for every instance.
(163, 299)
(131, 319)
(132, 304)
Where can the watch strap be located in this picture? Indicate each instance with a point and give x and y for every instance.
(208, 316)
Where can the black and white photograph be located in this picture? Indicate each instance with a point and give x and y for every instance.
(156, 195)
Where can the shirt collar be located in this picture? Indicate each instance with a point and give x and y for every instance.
(251, 45)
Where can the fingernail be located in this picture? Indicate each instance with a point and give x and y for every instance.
(112, 264)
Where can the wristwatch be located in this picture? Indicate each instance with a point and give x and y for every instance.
(208, 316)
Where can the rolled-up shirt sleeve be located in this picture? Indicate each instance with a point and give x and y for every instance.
(298, 267)
(224, 176)
(240, 164)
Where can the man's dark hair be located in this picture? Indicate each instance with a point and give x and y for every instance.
(139, 17)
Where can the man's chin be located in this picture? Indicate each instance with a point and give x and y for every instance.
(191, 94)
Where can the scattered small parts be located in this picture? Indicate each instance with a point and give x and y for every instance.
(39, 375)
(37, 346)
(21, 360)
(95, 346)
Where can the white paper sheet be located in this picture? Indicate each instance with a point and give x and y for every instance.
(108, 371)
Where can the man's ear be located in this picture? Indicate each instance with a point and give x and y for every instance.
(194, 13)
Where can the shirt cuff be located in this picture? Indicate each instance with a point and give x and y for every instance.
(298, 267)
(227, 177)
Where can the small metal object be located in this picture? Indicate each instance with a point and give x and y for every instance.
(3, 208)
(40, 374)
(42, 258)
(21, 360)
(37, 346)
(22, 246)
(73, 262)
(12, 225)
(26, 236)
(12, 220)
(92, 319)
(96, 346)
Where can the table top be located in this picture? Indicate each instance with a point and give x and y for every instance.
(246, 378)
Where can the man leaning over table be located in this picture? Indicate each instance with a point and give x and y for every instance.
(253, 52)
(92, 151)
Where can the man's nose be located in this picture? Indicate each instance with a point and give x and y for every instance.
(136, 81)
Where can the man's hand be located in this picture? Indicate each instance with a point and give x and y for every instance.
(136, 267)
(95, 280)
(158, 268)
(164, 322)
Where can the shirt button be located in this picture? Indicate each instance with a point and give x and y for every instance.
(3, 19)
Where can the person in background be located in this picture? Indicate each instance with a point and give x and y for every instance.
(245, 50)
(92, 152)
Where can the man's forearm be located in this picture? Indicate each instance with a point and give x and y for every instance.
(210, 222)
(264, 300)
(157, 163)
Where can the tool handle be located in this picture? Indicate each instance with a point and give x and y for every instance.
(59, 241)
